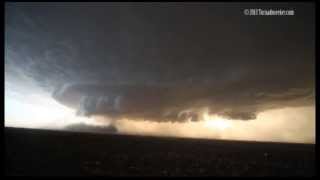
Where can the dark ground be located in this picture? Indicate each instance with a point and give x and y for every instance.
(43, 152)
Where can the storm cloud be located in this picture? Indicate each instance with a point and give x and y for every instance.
(178, 103)
(162, 61)
(81, 127)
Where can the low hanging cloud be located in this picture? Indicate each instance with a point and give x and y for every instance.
(280, 125)
(177, 103)
(82, 127)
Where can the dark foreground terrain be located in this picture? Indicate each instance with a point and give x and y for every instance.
(43, 152)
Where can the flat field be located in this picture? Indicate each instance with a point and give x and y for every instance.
(59, 153)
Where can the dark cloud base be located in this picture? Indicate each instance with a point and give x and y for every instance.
(176, 103)
(90, 128)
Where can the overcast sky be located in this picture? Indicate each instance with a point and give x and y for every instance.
(157, 61)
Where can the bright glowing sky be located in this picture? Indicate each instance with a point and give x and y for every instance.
(275, 125)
